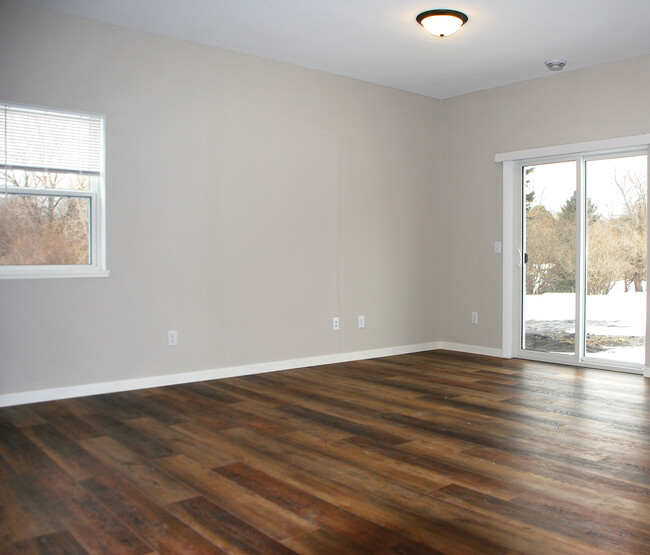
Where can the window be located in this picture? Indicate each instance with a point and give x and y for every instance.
(51, 193)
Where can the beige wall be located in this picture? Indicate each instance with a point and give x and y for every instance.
(596, 103)
(248, 201)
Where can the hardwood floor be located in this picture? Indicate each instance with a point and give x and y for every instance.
(433, 452)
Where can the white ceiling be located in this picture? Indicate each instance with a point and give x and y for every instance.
(379, 40)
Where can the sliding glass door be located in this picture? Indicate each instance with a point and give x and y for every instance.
(548, 257)
(583, 259)
(616, 258)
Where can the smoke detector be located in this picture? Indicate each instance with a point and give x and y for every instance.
(555, 65)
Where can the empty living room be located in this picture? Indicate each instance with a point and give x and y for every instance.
(319, 278)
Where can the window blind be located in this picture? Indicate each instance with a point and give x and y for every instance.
(48, 140)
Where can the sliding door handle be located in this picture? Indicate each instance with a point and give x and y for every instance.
(523, 258)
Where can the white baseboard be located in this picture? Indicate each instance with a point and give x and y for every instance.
(41, 395)
(472, 349)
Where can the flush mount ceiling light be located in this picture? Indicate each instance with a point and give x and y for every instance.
(442, 23)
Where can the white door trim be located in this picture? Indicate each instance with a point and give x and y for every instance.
(574, 148)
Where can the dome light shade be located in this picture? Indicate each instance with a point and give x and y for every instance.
(442, 23)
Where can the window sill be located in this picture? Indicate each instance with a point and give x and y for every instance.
(20, 273)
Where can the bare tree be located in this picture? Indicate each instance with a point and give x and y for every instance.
(634, 228)
(605, 263)
(43, 229)
(541, 268)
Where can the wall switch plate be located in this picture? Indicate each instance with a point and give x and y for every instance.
(497, 247)
(172, 338)
(362, 321)
(474, 317)
(336, 324)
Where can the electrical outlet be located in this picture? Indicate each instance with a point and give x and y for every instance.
(474, 317)
(336, 324)
(362, 321)
(172, 338)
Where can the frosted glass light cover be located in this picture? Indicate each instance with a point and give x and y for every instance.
(442, 25)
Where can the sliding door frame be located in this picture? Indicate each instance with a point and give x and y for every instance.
(512, 163)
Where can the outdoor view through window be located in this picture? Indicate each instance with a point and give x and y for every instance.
(40, 229)
(612, 253)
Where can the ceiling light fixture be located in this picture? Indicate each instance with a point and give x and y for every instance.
(442, 23)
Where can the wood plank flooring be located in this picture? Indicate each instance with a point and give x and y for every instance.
(434, 452)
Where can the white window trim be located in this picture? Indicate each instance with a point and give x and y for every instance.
(511, 162)
(97, 194)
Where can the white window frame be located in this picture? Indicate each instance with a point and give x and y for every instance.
(512, 163)
(97, 225)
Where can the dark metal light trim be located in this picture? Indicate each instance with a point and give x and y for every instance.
(424, 15)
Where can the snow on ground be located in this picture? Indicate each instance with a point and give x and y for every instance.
(616, 314)
(613, 314)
